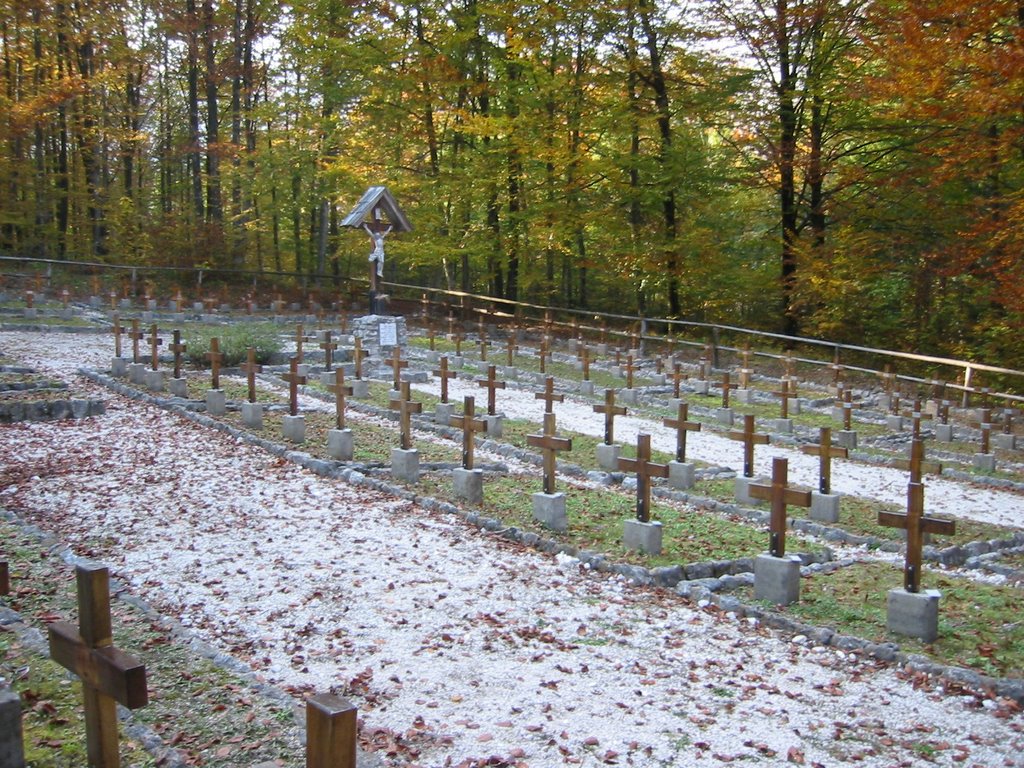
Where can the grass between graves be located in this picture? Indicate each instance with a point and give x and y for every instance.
(211, 716)
(979, 623)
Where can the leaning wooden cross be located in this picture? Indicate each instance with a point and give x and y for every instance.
(250, 369)
(340, 390)
(548, 395)
(682, 426)
(645, 469)
(109, 676)
(825, 451)
(492, 384)
(215, 356)
(610, 411)
(549, 444)
(780, 495)
(405, 407)
(916, 524)
(294, 380)
(469, 425)
(750, 438)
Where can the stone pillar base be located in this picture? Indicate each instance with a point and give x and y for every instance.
(587, 388)
(216, 402)
(985, 462)
(178, 387)
(627, 396)
(443, 414)
(645, 537)
(608, 456)
(724, 416)
(405, 464)
(894, 423)
(12, 745)
(30, 313)
(846, 438)
(549, 511)
(943, 433)
(777, 579)
(657, 379)
(824, 507)
(742, 489)
(137, 373)
(745, 396)
(782, 426)
(680, 475)
(294, 429)
(794, 406)
(155, 380)
(884, 401)
(700, 386)
(508, 372)
(468, 484)
(1005, 442)
(118, 366)
(456, 362)
(252, 415)
(494, 424)
(340, 444)
(913, 614)
(360, 388)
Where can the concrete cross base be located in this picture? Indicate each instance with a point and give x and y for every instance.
(433, 356)
(405, 464)
(1006, 442)
(178, 317)
(572, 345)
(884, 401)
(443, 414)
(216, 402)
(30, 313)
(198, 306)
(494, 424)
(252, 415)
(601, 349)
(587, 388)
(837, 413)
(608, 456)
(339, 444)
(549, 511)
(12, 749)
(294, 429)
(360, 388)
(680, 476)
(327, 378)
(302, 369)
(468, 484)
(794, 406)
(146, 317)
(66, 314)
(674, 403)
(846, 438)
(894, 423)
(984, 462)
(782, 426)
(124, 303)
(394, 394)
(137, 373)
(658, 379)
(742, 489)
(208, 318)
(744, 396)
(700, 386)
(931, 408)
(645, 537)
(178, 387)
(913, 614)
(173, 306)
(456, 362)
(95, 302)
(824, 507)
(508, 372)
(724, 416)
(118, 367)
(155, 380)
(777, 579)
(943, 433)
(627, 396)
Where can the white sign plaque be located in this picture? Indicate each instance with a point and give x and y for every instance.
(388, 334)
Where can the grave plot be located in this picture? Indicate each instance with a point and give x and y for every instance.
(26, 395)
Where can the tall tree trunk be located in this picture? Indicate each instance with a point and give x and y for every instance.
(787, 161)
(195, 155)
(214, 209)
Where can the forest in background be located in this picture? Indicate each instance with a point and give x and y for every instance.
(845, 169)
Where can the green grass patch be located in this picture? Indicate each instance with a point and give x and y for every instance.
(234, 341)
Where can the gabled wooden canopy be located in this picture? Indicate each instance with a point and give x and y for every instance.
(377, 201)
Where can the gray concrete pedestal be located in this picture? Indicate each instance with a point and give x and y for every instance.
(943, 433)
(443, 414)
(178, 387)
(252, 415)
(340, 444)
(549, 511)
(360, 389)
(846, 438)
(744, 396)
(700, 386)
(681, 475)
(155, 380)
(508, 372)
(12, 745)
(984, 462)
(1005, 442)
(824, 507)
(137, 374)
(627, 396)
(742, 489)
(294, 429)
(913, 614)
(724, 416)
(494, 424)
(216, 402)
(894, 423)
(608, 456)
(118, 366)
(587, 388)
(645, 537)
(468, 484)
(781, 426)
(777, 579)
(405, 464)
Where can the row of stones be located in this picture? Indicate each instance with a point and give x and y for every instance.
(49, 410)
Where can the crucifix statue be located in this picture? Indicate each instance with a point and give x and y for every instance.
(378, 213)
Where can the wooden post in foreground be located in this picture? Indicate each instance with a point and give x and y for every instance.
(330, 732)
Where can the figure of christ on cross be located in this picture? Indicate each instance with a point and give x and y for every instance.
(549, 444)
(250, 369)
(825, 451)
(469, 425)
(645, 469)
(916, 524)
(340, 390)
(610, 411)
(682, 426)
(328, 346)
(405, 407)
(215, 357)
(109, 675)
(155, 342)
(444, 374)
(294, 380)
(548, 395)
(750, 438)
(780, 495)
(492, 384)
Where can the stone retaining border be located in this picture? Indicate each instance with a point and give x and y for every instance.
(50, 410)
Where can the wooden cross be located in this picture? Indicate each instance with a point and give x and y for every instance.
(215, 356)
(492, 384)
(916, 463)
(250, 368)
(113, 299)
(178, 349)
(432, 336)
(585, 361)
(482, 342)
(938, 390)
(136, 336)
(30, 298)
(779, 494)
(358, 354)
(916, 524)
(789, 367)
(109, 675)
(750, 438)
(444, 374)
(944, 411)
(610, 411)
(548, 395)
(543, 354)
(397, 364)
(1007, 419)
(837, 373)
(604, 332)
(118, 330)
(677, 376)
(630, 368)
(294, 380)
(65, 297)
(848, 406)
(328, 346)
(706, 362)
(784, 394)
(745, 370)
(510, 348)
(155, 343)
(726, 386)
(405, 407)
(549, 444)
(825, 451)
(917, 414)
(458, 344)
(645, 469)
(469, 425)
(985, 425)
(888, 379)
(682, 426)
(340, 391)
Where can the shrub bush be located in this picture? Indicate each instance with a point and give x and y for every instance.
(235, 341)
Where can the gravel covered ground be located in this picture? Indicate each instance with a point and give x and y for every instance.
(456, 645)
